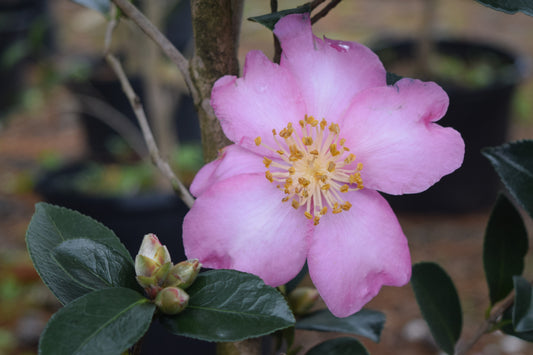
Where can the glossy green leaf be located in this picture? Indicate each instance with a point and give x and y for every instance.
(438, 300)
(510, 6)
(523, 305)
(514, 163)
(228, 305)
(392, 78)
(102, 6)
(51, 226)
(291, 285)
(367, 323)
(107, 321)
(339, 346)
(508, 328)
(270, 20)
(504, 248)
(93, 265)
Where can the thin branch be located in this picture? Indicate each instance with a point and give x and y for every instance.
(464, 345)
(316, 3)
(161, 164)
(115, 119)
(166, 46)
(277, 45)
(325, 10)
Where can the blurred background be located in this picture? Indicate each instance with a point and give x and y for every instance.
(61, 109)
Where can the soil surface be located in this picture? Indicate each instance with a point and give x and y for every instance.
(50, 130)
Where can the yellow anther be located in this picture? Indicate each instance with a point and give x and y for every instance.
(292, 170)
(346, 149)
(359, 166)
(316, 220)
(336, 208)
(350, 158)
(344, 188)
(274, 132)
(303, 181)
(346, 206)
(333, 150)
(268, 175)
(323, 124)
(331, 166)
(285, 199)
(295, 204)
(308, 215)
(280, 152)
(307, 140)
(355, 178)
(342, 141)
(267, 162)
(288, 181)
(314, 152)
(305, 194)
(334, 128)
(257, 141)
(324, 210)
(302, 123)
(325, 187)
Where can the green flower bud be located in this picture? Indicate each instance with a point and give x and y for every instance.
(151, 256)
(172, 300)
(183, 274)
(302, 299)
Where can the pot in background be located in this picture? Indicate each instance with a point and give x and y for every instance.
(480, 112)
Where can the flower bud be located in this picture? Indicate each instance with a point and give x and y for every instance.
(151, 256)
(183, 274)
(302, 299)
(172, 300)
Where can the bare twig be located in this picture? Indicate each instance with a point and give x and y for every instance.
(166, 46)
(316, 3)
(115, 119)
(277, 45)
(464, 345)
(161, 164)
(325, 10)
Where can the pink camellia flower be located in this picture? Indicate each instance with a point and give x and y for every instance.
(315, 138)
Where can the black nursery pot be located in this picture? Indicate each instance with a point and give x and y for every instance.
(481, 115)
(130, 217)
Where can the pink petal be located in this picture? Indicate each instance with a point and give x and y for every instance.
(355, 252)
(265, 98)
(232, 160)
(329, 73)
(240, 223)
(391, 131)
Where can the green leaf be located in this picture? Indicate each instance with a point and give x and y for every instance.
(102, 6)
(339, 346)
(438, 300)
(504, 249)
(514, 163)
(93, 265)
(367, 323)
(523, 305)
(510, 6)
(270, 20)
(49, 227)
(102, 322)
(392, 78)
(228, 305)
(291, 285)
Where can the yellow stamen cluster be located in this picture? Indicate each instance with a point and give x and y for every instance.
(314, 167)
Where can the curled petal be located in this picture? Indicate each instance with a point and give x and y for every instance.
(265, 98)
(240, 223)
(329, 73)
(391, 130)
(355, 252)
(232, 160)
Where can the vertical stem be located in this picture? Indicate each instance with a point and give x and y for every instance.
(424, 47)
(277, 45)
(216, 27)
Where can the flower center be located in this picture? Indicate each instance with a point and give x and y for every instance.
(315, 168)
